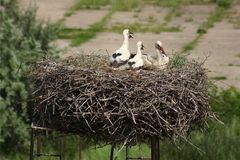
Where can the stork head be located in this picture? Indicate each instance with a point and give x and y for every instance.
(158, 46)
(140, 45)
(127, 33)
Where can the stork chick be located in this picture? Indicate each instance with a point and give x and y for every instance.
(162, 59)
(122, 55)
(137, 61)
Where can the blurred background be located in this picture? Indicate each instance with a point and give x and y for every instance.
(200, 29)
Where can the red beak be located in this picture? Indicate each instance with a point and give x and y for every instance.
(161, 48)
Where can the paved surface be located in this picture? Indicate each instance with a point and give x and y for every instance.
(52, 10)
(222, 42)
(146, 16)
(85, 18)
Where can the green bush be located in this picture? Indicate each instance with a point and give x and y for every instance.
(22, 40)
(226, 102)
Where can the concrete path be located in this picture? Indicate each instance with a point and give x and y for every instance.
(84, 18)
(52, 10)
(173, 41)
(222, 41)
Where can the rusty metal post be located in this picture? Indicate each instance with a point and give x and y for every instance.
(155, 148)
(31, 154)
(112, 152)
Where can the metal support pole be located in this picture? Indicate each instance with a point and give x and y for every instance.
(155, 148)
(31, 154)
(127, 152)
(112, 152)
(80, 148)
(61, 150)
(39, 144)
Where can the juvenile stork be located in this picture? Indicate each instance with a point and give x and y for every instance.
(161, 61)
(122, 55)
(137, 61)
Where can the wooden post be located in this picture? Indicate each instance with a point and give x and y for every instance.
(112, 152)
(31, 154)
(155, 148)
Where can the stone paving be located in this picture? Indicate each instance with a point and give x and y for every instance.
(52, 10)
(85, 18)
(222, 42)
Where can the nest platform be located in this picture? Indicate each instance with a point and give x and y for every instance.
(88, 98)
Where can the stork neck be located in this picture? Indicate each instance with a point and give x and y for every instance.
(139, 51)
(125, 41)
(158, 53)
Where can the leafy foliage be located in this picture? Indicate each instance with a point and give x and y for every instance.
(226, 102)
(22, 40)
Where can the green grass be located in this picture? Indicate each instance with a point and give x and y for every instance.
(191, 45)
(90, 4)
(233, 65)
(189, 19)
(86, 4)
(171, 14)
(175, 3)
(178, 60)
(175, 11)
(219, 143)
(79, 36)
(115, 5)
(136, 27)
(124, 5)
(236, 22)
(216, 16)
(238, 55)
(219, 78)
(224, 3)
(234, 19)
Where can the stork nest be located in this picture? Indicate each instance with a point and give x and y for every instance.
(90, 99)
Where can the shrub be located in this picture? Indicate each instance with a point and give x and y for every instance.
(22, 39)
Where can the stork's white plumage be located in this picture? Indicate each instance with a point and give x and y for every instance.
(137, 61)
(162, 59)
(148, 60)
(122, 55)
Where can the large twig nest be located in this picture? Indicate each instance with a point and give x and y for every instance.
(119, 107)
